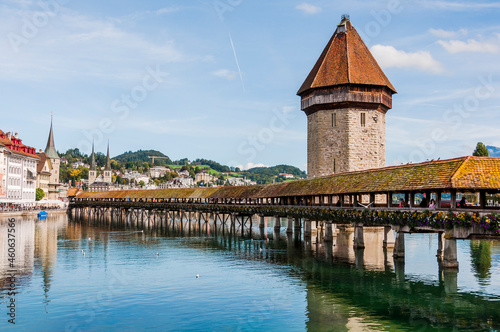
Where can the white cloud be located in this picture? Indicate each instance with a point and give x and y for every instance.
(226, 73)
(308, 8)
(447, 34)
(74, 45)
(251, 165)
(166, 10)
(471, 46)
(388, 57)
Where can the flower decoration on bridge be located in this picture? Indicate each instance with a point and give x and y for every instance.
(437, 220)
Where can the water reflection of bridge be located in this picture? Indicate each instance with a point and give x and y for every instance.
(366, 279)
(242, 216)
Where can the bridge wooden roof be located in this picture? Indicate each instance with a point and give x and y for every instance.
(465, 173)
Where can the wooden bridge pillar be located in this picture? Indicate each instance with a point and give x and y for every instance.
(450, 254)
(277, 222)
(328, 232)
(289, 228)
(307, 228)
(359, 241)
(399, 245)
(262, 222)
(440, 250)
(388, 237)
(411, 202)
(297, 224)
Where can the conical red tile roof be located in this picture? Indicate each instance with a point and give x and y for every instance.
(345, 60)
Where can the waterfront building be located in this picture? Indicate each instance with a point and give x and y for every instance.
(18, 171)
(48, 167)
(3, 162)
(44, 167)
(345, 97)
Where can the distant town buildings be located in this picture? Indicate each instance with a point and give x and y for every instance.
(204, 177)
(240, 182)
(158, 171)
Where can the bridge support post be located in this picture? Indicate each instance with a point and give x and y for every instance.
(359, 241)
(289, 226)
(399, 245)
(277, 223)
(307, 228)
(297, 225)
(262, 222)
(328, 232)
(440, 249)
(388, 237)
(450, 254)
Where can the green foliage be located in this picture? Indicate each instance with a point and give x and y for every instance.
(213, 165)
(39, 194)
(481, 150)
(266, 175)
(140, 157)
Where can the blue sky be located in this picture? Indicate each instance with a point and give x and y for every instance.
(217, 79)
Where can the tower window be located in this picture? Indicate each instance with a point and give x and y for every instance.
(334, 165)
(363, 119)
(334, 119)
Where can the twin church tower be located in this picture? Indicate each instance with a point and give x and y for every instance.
(345, 97)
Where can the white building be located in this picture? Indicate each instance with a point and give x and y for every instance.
(204, 177)
(158, 171)
(240, 182)
(18, 171)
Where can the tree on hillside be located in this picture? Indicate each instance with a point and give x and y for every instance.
(481, 150)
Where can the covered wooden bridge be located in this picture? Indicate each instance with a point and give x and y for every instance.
(373, 188)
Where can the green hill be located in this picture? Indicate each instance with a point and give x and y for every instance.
(143, 156)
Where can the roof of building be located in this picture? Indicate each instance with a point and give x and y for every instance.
(16, 146)
(465, 173)
(40, 163)
(50, 150)
(92, 159)
(108, 162)
(345, 60)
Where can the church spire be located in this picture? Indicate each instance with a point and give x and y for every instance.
(108, 163)
(50, 150)
(92, 159)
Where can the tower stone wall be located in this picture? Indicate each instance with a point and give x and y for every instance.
(338, 142)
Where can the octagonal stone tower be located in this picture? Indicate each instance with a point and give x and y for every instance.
(345, 98)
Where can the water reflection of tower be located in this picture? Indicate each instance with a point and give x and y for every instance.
(46, 250)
